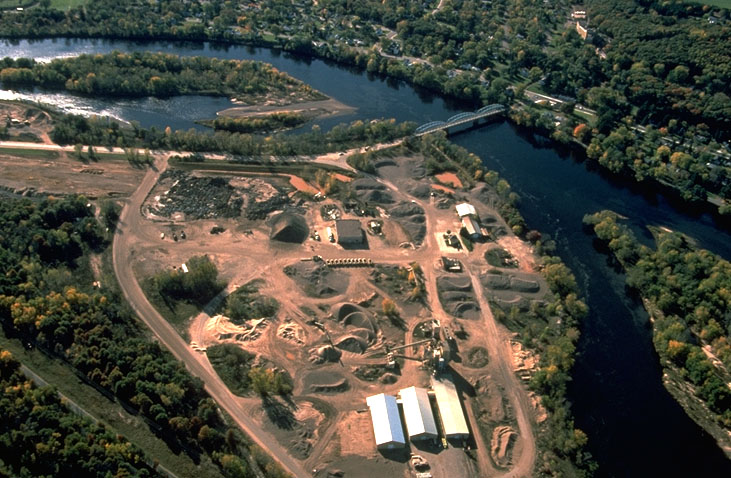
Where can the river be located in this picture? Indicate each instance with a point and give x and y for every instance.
(635, 427)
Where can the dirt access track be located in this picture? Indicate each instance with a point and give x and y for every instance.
(332, 344)
(335, 354)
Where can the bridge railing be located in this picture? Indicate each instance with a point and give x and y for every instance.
(459, 117)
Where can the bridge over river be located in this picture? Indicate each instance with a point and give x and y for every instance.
(472, 117)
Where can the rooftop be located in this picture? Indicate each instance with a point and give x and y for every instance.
(418, 413)
(450, 407)
(466, 209)
(386, 420)
(348, 230)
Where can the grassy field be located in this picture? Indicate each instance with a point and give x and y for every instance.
(29, 153)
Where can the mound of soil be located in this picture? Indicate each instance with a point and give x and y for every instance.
(370, 373)
(344, 309)
(323, 381)
(289, 227)
(357, 320)
(371, 191)
(384, 162)
(460, 282)
(510, 282)
(410, 217)
(419, 190)
(524, 285)
(326, 353)
(477, 357)
(317, 279)
(465, 310)
(457, 296)
(352, 343)
(496, 281)
(484, 194)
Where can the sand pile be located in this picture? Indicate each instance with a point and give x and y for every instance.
(325, 381)
(325, 353)
(501, 445)
(289, 227)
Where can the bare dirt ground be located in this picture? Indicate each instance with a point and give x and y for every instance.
(311, 109)
(58, 172)
(339, 362)
(62, 175)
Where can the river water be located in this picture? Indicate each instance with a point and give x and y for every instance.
(635, 428)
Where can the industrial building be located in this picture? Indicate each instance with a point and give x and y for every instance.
(466, 209)
(418, 414)
(468, 215)
(473, 229)
(449, 405)
(386, 421)
(349, 232)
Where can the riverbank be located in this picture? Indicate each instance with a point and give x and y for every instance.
(685, 293)
(684, 393)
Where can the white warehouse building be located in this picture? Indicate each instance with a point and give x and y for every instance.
(450, 408)
(418, 414)
(386, 421)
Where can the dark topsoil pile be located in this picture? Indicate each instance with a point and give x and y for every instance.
(317, 280)
(289, 227)
(371, 191)
(457, 296)
(411, 217)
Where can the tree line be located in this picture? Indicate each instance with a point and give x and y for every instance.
(46, 300)
(76, 129)
(41, 437)
(687, 290)
(154, 74)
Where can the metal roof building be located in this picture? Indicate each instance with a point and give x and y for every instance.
(386, 421)
(450, 408)
(473, 229)
(466, 209)
(418, 414)
(349, 231)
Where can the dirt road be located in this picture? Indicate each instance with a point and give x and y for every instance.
(124, 238)
(500, 356)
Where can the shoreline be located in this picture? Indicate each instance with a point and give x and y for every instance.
(311, 109)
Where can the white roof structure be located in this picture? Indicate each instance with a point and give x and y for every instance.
(473, 229)
(450, 407)
(418, 414)
(466, 209)
(386, 421)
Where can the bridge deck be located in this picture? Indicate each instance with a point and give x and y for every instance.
(459, 119)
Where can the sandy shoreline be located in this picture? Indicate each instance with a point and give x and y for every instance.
(312, 109)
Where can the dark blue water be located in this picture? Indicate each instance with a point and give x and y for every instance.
(635, 427)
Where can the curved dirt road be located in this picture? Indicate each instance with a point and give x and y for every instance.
(124, 239)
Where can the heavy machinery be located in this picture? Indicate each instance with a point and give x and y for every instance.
(435, 353)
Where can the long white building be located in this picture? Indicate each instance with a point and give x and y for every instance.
(418, 414)
(450, 408)
(386, 421)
